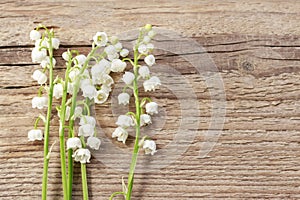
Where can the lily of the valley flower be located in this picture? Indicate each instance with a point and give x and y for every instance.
(144, 71)
(74, 143)
(38, 55)
(58, 90)
(41, 43)
(121, 134)
(118, 65)
(78, 112)
(143, 49)
(125, 121)
(145, 119)
(87, 126)
(150, 147)
(39, 102)
(151, 84)
(65, 56)
(86, 130)
(35, 35)
(55, 43)
(39, 76)
(80, 59)
(35, 134)
(128, 78)
(123, 98)
(149, 60)
(101, 97)
(82, 155)
(100, 39)
(152, 108)
(124, 52)
(93, 142)
(46, 62)
(89, 91)
(85, 119)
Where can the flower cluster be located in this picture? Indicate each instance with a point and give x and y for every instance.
(87, 80)
(44, 45)
(142, 48)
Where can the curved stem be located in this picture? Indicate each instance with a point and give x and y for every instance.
(115, 194)
(47, 124)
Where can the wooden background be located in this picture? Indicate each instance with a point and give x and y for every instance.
(256, 47)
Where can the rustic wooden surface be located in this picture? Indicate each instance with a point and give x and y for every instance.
(256, 47)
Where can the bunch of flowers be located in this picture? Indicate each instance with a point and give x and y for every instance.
(144, 107)
(86, 81)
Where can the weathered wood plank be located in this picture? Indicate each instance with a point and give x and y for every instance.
(255, 45)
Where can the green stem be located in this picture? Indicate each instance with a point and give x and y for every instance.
(47, 124)
(84, 182)
(72, 120)
(62, 133)
(115, 194)
(137, 127)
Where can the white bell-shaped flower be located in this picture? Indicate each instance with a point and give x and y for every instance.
(146, 39)
(142, 49)
(46, 62)
(41, 43)
(151, 108)
(125, 121)
(118, 46)
(110, 50)
(150, 147)
(121, 134)
(35, 35)
(74, 143)
(118, 65)
(89, 91)
(100, 39)
(70, 88)
(86, 130)
(78, 112)
(82, 155)
(124, 52)
(39, 102)
(106, 79)
(39, 76)
(128, 78)
(38, 55)
(101, 97)
(123, 98)
(151, 84)
(145, 119)
(35, 134)
(58, 90)
(149, 60)
(55, 43)
(144, 71)
(65, 56)
(85, 119)
(80, 59)
(150, 47)
(93, 142)
(113, 40)
(73, 74)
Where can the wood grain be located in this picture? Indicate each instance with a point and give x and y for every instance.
(256, 48)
